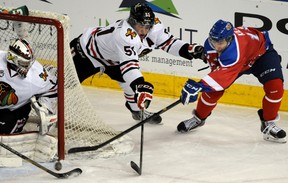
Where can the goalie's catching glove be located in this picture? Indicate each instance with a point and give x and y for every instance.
(143, 94)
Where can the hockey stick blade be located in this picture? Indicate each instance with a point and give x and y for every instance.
(93, 148)
(73, 173)
(135, 167)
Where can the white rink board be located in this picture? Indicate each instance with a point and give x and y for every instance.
(195, 18)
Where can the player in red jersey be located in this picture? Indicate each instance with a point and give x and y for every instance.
(232, 52)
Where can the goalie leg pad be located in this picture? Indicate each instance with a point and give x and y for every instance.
(34, 146)
(10, 162)
(45, 148)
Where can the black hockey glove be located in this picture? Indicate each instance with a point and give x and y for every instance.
(143, 94)
(196, 51)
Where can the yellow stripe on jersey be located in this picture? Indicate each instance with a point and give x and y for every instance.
(170, 86)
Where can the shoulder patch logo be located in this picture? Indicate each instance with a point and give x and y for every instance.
(43, 75)
(157, 21)
(130, 33)
(228, 26)
(7, 95)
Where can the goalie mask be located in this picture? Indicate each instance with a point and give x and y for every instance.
(20, 56)
(141, 13)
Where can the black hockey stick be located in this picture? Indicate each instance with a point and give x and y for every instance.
(93, 148)
(73, 173)
(203, 68)
(137, 168)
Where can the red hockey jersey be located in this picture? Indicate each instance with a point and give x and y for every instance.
(246, 47)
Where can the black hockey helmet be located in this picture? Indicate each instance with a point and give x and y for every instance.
(141, 13)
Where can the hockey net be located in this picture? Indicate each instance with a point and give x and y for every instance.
(78, 123)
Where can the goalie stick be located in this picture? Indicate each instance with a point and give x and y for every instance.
(93, 148)
(73, 173)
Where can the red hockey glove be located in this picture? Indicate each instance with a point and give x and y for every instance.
(143, 94)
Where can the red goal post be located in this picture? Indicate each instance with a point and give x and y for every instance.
(78, 122)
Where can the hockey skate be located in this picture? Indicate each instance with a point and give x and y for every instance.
(270, 131)
(190, 124)
(136, 115)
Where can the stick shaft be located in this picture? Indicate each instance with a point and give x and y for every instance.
(93, 148)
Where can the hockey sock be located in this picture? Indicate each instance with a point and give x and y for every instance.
(272, 100)
(207, 102)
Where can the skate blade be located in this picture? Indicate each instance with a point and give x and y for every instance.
(272, 139)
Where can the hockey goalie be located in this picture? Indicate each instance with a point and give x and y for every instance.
(26, 85)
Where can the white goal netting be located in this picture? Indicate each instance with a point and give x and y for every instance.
(82, 125)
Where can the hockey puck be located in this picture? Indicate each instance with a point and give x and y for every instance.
(58, 166)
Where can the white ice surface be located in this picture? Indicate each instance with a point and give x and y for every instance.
(229, 148)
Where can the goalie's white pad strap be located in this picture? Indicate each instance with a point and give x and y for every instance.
(46, 121)
(36, 147)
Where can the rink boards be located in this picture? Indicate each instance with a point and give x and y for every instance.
(170, 86)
